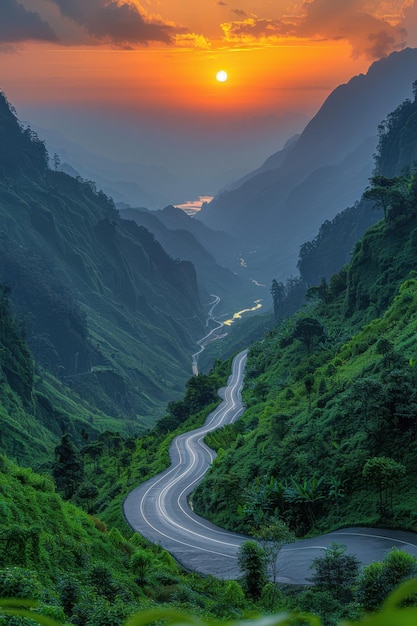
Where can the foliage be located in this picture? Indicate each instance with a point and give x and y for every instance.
(109, 317)
(252, 562)
(378, 579)
(393, 612)
(308, 330)
(336, 572)
(384, 473)
(273, 536)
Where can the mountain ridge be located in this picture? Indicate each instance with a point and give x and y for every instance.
(259, 209)
(103, 305)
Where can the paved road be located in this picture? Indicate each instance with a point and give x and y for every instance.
(158, 509)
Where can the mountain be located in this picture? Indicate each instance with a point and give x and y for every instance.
(105, 310)
(175, 231)
(322, 172)
(135, 184)
(327, 439)
(330, 427)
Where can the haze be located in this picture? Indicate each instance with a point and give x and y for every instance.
(136, 82)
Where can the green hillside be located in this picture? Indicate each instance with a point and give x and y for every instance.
(96, 324)
(109, 317)
(328, 437)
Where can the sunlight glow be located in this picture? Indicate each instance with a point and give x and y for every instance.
(221, 76)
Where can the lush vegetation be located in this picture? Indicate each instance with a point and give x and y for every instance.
(110, 318)
(330, 422)
(328, 437)
(398, 608)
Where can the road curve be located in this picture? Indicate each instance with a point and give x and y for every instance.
(159, 510)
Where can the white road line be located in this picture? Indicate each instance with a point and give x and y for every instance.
(225, 413)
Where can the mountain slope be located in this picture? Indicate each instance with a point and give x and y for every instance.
(330, 426)
(104, 307)
(285, 206)
(182, 243)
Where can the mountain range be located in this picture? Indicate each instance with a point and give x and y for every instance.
(105, 310)
(282, 204)
(97, 325)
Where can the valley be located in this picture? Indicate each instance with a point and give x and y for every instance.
(161, 510)
(127, 482)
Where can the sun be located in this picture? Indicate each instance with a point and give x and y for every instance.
(221, 76)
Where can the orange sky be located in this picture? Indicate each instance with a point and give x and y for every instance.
(157, 59)
(75, 50)
(260, 80)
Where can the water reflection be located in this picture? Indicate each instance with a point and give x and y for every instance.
(238, 315)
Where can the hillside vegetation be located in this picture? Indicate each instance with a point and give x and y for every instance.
(109, 317)
(94, 334)
(328, 437)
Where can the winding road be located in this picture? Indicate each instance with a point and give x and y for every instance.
(159, 510)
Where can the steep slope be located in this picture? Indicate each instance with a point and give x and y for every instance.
(330, 426)
(224, 247)
(285, 206)
(105, 308)
(181, 243)
(129, 182)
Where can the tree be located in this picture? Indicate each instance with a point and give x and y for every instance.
(308, 330)
(273, 536)
(140, 562)
(306, 494)
(252, 562)
(384, 473)
(387, 193)
(378, 579)
(278, 297)
(67, 470)
(309, 385)
(336, 572)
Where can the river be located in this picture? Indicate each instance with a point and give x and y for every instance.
(219, 329)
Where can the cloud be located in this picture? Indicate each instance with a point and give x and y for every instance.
(409, 22)
(221, 3)
(240, 13)
(355, 21)
(192, 40)
(351, 20)
(118, 22)
(253, 29)
(17, 24)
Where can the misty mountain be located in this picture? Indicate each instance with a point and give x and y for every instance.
(181, 243)
(318, 175)
(104, 308)
(224, 247)
(135, 184)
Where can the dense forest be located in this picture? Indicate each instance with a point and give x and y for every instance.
(105, 310)
(327, 439)
(330, 391)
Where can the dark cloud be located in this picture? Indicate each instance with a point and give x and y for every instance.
(350, 20)
(17, 24)
(254, 28)
(240, 13)
(120, 23)
(222, 4)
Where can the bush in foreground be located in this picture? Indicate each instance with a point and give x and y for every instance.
(397, 610)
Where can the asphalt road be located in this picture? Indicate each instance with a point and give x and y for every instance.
(159, 510)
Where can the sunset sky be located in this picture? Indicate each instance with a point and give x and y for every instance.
(137, 80)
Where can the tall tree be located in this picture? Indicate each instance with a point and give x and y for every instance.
(308, 330)
(336, 572)
(278, 298)
(67, 470)
(252, 562)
